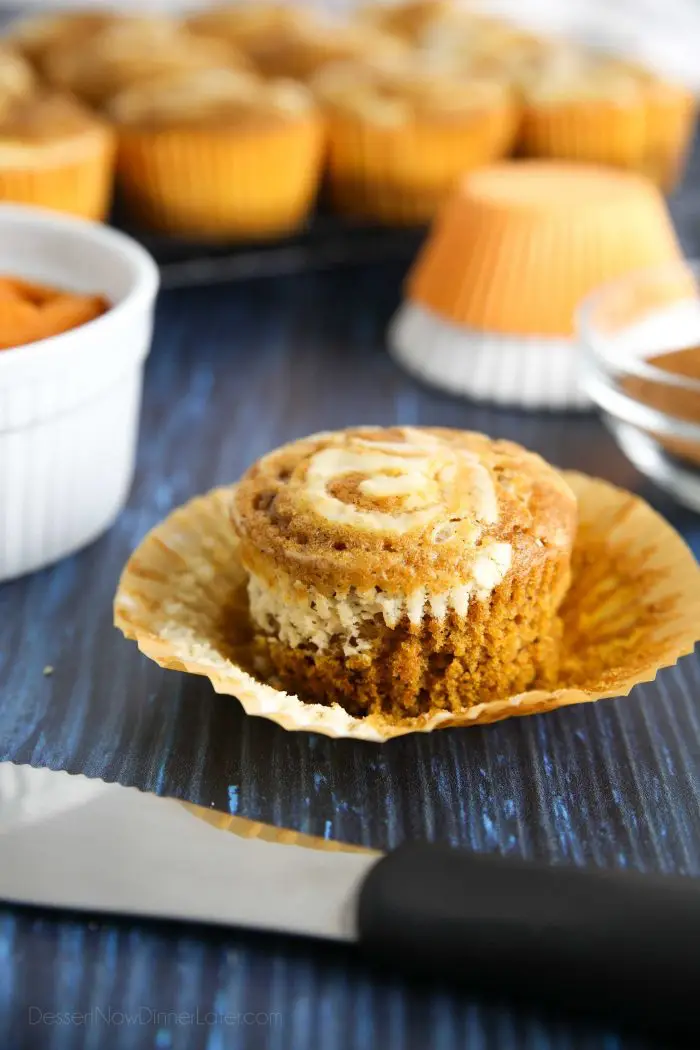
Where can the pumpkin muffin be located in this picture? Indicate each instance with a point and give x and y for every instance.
(56, 154)
(462, 41)
(400, 136)
(405, 571)
(17, 79)
(258, 29)
(408, 19)
(671, 112)
(133, 51)
(218, 154)
(583, 107)
(39, 36)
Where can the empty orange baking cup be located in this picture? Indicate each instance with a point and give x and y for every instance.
(73, 176)
(633, 608)
(222, 183)
(521, 243)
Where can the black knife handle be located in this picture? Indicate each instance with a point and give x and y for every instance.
(613, 943)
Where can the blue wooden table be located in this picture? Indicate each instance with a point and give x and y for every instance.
(235, 371)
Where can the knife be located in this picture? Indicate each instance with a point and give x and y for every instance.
(618, 944)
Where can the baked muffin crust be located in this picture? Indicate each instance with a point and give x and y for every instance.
(402, 569)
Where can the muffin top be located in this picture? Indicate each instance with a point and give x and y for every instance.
(400, 508)
(409, 19)
(134, 51)
(248, 25)
(45, 118)
(462, 40)
(394, 92)
(570, 74)
(211, 97)
(16, 77)
(39, 35)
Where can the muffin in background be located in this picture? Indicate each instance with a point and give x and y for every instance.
(671, 113)
(399, 136)
(462, 41)
(583, 107)
(17, 79)
(130, 51)
(292, 42)
(405, 571)
(56, 154)
(39, 36)
(408, 19)
(257, 29)
(218, 154)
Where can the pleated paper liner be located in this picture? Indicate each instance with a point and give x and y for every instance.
(520, 244)
(529, 372)
(401, 174)
(222, 183)
(633, 608)
(594, 131)
(253, 829)
(75, 179)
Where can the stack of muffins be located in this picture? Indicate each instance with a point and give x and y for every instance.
(223, 124)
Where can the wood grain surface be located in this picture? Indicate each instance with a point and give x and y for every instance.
(234, 372)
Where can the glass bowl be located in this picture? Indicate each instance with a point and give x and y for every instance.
(640, 348)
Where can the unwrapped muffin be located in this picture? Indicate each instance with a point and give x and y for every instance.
(404, 571)
(218, 153)
(399, 136)
(54, 153)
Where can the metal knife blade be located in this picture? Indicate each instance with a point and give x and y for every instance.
(549, 934)
(70, 842)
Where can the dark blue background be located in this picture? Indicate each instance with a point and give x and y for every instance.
(235, 371)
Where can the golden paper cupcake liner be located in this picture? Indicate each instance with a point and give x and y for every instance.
(670, 123)
(222, 184)
(253, 829)
(597, 132)
(80, 186)
(633, 608)
(402, 174)
(520, 244)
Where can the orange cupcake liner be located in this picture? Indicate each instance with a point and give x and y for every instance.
(80, 186)
(402, 174)
(633, 608)
(221, 184)
(254, 829)
(520, 244)
(596, 132)
(670, 122)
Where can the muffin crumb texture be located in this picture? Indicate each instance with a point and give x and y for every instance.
(404, 571)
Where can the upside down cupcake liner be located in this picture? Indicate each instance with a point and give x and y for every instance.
(491, 298)
(633, 607)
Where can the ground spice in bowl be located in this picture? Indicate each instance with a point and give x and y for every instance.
(679, 402)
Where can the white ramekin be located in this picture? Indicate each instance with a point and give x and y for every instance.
(69, 405)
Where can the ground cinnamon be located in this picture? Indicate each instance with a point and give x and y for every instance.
(672, 400)
(30, 311)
